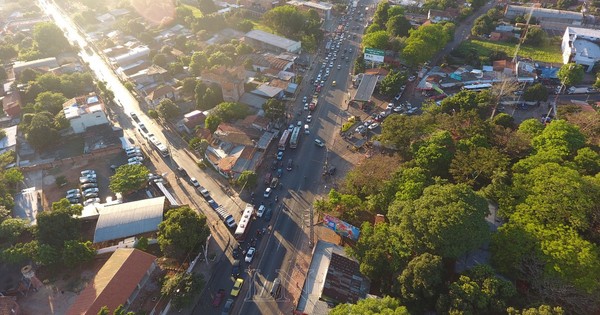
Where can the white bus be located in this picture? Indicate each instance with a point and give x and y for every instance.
(477, 87)
(244, 224)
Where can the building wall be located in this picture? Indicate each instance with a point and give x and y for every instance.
(570, 54)
(81, 123)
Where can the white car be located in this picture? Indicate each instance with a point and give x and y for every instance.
(305, 106)
(250, 254)
(194, 182)
(304, 99)
(261, 211)
(319, 143)
(389, 106)
(373, 126)
(267, 192)
(88, 172)
(308, 118)
(412, 78)
(91, 201)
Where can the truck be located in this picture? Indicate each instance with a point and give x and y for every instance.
(313, 103)
(581, 90)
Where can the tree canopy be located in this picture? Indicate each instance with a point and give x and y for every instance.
(182, 232)
(372, 306)
(571, 74)
(129, 178)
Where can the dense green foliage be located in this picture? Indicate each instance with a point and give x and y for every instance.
(452, 166)
(129, 178)
(182, 232)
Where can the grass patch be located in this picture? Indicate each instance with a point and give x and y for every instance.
(197, 13)
(259, 26)
(549, 53)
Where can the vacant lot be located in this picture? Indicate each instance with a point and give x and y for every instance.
(550, 53)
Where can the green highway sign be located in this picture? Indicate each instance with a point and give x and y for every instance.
(373, 54)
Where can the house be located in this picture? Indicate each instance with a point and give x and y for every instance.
(160, 93)
(231, 80)
(105, 18)
(581, 46)
(44, 64)
(130, 56)
(267, 91)
(253, 100)
(9, 141)
(118, 282)
(549, 19)
(322, 8)
(343, 282)
(84, 112)
(193, 119)
(257, 122)
(11, 104)
(271, 42)
(438, 16)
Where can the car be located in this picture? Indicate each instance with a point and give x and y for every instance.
(267, 192)
(305, 106)
(134, 117)
(290, 164)
(227, 308)
(402, 88)
(360, 129)
(72, 191)
(279, 172)
(194, 182)
(411, 78)
(134, 163)
(334, 83)
(339, 67)
(299, 123)
(135, 159)
(91, 201)
(412, 110)
(76, 195)
(318, 88)
(268, 214)
(237, 286)
(90, 195)
(319, 143)
(74, 201)
(279, 155)
(291, 127)
(304, 99)
(250, 255)
(142, 128)
(212, 203)
(88, 172)
(85, 180)
(518, 92)
(261, 211)
(235, 270)
(397, 109)
(91, 190)
(330, 171)
(397, 97)
(216, 302)
(389, 106)
(230, 221)
(308, 118)
(204, 192)
(373, 126)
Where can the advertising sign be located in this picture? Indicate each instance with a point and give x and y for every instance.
(342, 228)
(375, 55)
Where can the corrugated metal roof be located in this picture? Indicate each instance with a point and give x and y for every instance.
(128, 219)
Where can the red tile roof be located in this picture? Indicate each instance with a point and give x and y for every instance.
(114, 283)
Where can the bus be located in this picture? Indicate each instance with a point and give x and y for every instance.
(161, 148)
(477, 87)
(295, 138)
(244, 225)
(284, 139)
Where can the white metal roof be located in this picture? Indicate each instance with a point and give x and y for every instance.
(272, 39)
(128, 219)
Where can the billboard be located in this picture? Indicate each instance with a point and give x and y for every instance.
(342, 228)
(376, 55)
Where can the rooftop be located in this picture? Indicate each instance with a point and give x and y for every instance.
(272, 39)
(315, 5)
(160, 92)
(129, 219)
(10, 140)
(81, 105)
(266, 90)
(115, 282)
(366, 88)
(544, 13)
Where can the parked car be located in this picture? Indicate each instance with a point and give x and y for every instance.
(250, 255)
(204, 192)
(218, 298)
(213, 204)
(267, 192)
(86, 179)
(398, 96)
(72, 191)
(228, 306)
(194, 182)
(134, 117)
(319, 143)
(88, 173)
(91, 190)
(91, 201)
(373, 126)
(182, 171)
(412, 78)
(90, 195)
(235, 270)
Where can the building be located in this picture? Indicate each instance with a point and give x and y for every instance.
(9, 141)
(271, 42)
(132, 55)
(231, 81)
(267, 91)
(9, 306)
(581, 46)
(193, 119)
(84, 112)
(323, 8)
(549, 19)
(44, 64)
(160, 93)
(118, 221)
(11, 104)
(118, 282)
(438, 16)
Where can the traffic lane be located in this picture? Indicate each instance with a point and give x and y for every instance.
(225, 281)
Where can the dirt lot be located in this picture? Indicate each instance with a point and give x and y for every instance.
(100, 164)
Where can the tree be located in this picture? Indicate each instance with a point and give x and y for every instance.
(535, 36)
(167, 109)
(230, 111)
(11, 229)
(398, 26)
(274, 109)
(286, 20)
(212, 122)
(199, 145)
(559, 135)
(182, 232)
(571, 74)
(378, 40)
(13, 176)
(435, 153)
(586, 160)
(380, 17)
(476, 166)
(540, 310)
(160, 60)
(424, 42)
(76, 252)
(129, 178)
(50, 101)
(207, 6)
(390, 85)
(49, 39)
(447, 220)
(188, 86)
(422, 281)
(248, 179)
(372, 306)
(536, 92)
(182, 287)
(153, 114)
(477, 292)
(381, 254)
(56, 227)
(40, 132)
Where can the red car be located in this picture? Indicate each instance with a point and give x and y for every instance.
(318, 88)
(218, 298)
